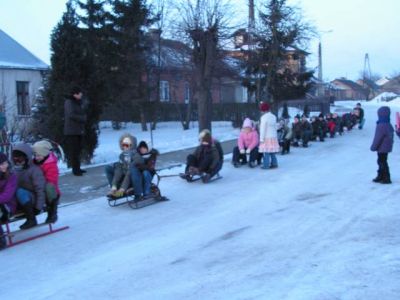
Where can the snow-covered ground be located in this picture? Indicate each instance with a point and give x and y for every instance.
(316, 228)
(169, 136)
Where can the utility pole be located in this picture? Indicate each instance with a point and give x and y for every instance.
(366, 76)
(251, 47)
(320, 89)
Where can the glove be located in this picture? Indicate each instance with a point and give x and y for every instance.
(248, 151)
(242, 151)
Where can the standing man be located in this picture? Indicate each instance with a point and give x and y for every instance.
(74, 124)
(359, 111)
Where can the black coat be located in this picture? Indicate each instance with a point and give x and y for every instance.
(74, 117)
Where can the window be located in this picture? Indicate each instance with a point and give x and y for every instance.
(245, 94)
(164, 91)
(23, 98)
(187, 92)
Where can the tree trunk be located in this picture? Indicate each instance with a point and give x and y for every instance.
(143, 119)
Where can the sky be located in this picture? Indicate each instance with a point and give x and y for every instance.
(348, 30)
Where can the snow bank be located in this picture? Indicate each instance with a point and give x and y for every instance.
(384, 97)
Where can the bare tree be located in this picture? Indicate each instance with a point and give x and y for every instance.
(205, 23)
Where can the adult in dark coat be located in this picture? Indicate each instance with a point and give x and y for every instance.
(74, 124)
(383, 144)
(360, 115)
(30, 185)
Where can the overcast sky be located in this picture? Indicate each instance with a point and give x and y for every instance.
(352, 29)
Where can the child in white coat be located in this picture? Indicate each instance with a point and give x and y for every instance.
(269, 144)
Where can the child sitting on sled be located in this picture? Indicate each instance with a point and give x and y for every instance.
(46, 160)
(148, 167)
(8, 186)
(122, 169)
(206, 160)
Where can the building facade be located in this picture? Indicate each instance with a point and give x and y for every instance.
(21, 76)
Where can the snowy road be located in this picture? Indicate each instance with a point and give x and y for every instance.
(316, 228)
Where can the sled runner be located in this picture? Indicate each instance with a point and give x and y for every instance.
(193, 178)
(135, 203)
(10, 234)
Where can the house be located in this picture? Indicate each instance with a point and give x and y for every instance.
(372, 89)
(345, 89)
(382, 81)
(173, 70)
(21, 75)
(295, 58)
(392, 86)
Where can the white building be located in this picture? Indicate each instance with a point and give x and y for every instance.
(21, 76)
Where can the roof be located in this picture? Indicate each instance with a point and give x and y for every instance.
(349, 83)
(368, 83)
(15, 56)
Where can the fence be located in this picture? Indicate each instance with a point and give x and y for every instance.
(235, 112)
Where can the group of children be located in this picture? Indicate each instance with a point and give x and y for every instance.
(29, 184)
(251, 148)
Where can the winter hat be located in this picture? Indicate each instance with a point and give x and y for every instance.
(3, 157)
(143, 144)
(205, 136)
(76, 90)
(126, 140)
(384, 114)
(264, 106)
(42, 148)
(247, 123)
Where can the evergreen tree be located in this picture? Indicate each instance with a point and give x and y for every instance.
(285, 112)
(129, 19)
(282, 30)
(306, 111)
(78, 46)
(94, 69)
(66, 60)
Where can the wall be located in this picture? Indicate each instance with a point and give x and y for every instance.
(8, 89)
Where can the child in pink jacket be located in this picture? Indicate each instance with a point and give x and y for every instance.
(47, 161)
(247, 145)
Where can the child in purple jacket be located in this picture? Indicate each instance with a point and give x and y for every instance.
(8, 186)
(383, 144)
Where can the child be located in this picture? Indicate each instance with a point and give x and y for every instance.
(383, 144)
(31, 184)
(47, 161)
(247, 144)
(148, 167)
(284, 136)
(8, 186)
(206, 160)
(122, 168)
(269, 145)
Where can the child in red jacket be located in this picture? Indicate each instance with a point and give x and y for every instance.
(47, 161)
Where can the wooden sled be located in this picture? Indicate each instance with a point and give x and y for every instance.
(9, 235)
(129, 198)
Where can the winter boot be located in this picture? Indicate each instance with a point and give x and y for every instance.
(30, 216)
(3, 242)
(52, 212)
(206, 178)
(378, 178)
(386, 177)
